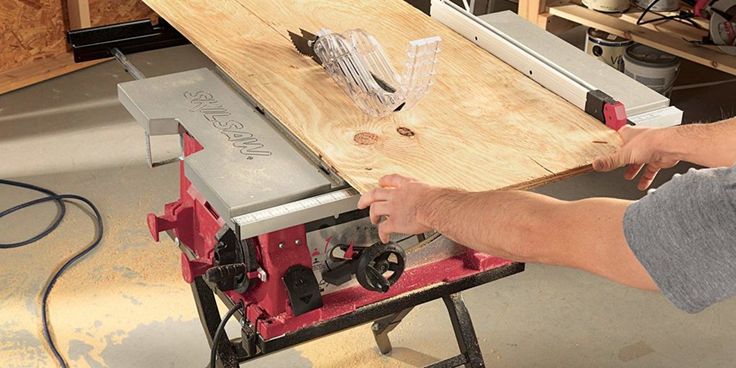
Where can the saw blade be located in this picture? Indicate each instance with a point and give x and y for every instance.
(723, 25)
(304, 43)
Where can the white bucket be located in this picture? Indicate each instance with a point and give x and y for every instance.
(608, 6)
(606, 47)
(651, 67)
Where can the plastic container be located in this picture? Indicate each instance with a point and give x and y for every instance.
(651, 67)
(607, 48)
(608, 6)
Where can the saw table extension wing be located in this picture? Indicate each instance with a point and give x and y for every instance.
(482, 126)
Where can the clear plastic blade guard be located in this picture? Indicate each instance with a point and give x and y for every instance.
(356, 61)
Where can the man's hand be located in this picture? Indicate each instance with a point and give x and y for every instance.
(642, 147)
(397, 202)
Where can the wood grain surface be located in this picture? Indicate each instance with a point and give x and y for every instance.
(30, 30)
(78, 14)
(41, 70)
(483, 125)
(104, 12)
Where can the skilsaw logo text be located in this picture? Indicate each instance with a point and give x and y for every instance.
(219, 116)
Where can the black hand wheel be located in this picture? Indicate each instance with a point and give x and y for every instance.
(380, 266)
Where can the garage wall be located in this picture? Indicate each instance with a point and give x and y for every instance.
(33, 43)
(30, 30)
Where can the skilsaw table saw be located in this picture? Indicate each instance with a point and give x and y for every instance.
(284, 237)
(263, 223)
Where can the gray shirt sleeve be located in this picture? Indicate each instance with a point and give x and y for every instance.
(684, 234)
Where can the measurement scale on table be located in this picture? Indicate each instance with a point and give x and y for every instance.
(301, 211)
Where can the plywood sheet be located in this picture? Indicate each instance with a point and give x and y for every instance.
(41, 70)
(483, 126)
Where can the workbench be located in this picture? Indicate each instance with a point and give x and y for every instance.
(33, 35)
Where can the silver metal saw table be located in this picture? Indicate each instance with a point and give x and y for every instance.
(248, 165)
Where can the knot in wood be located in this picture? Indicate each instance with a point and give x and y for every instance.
(365, 138)
(406, 132)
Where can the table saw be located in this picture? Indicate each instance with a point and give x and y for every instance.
(264, 223)
(276, 236)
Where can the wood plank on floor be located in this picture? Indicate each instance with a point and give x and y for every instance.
(41, 70)
(483, 125)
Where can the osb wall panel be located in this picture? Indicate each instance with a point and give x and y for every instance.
(30, 30)
(103, 12)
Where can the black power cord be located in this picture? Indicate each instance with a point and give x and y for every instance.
(684, 17)
(59, 199)
(39, 236)
(220, 330)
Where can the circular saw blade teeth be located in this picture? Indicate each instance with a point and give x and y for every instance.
(304, 43)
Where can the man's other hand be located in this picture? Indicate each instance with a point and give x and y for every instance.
(395, 206)
(641, 149)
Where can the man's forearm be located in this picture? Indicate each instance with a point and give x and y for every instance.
(586, 234)
(503, 223)
(710, 145)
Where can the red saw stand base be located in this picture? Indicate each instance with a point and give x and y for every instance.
(385, 315)
(270, 320)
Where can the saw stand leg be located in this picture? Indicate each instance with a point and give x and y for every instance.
(209, 315)
(381, 327)
(470, 355)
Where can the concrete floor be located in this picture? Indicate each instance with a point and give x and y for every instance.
(126, 305)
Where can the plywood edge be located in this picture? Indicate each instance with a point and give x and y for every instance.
(527, 185)
(40, 71)
(550, 178)
(659, 40)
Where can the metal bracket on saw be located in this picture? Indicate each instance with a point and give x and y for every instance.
(116, 40)
(136, 36)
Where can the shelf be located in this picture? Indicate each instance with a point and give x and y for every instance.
(670, 36)
(680, 29)
(40, 70)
